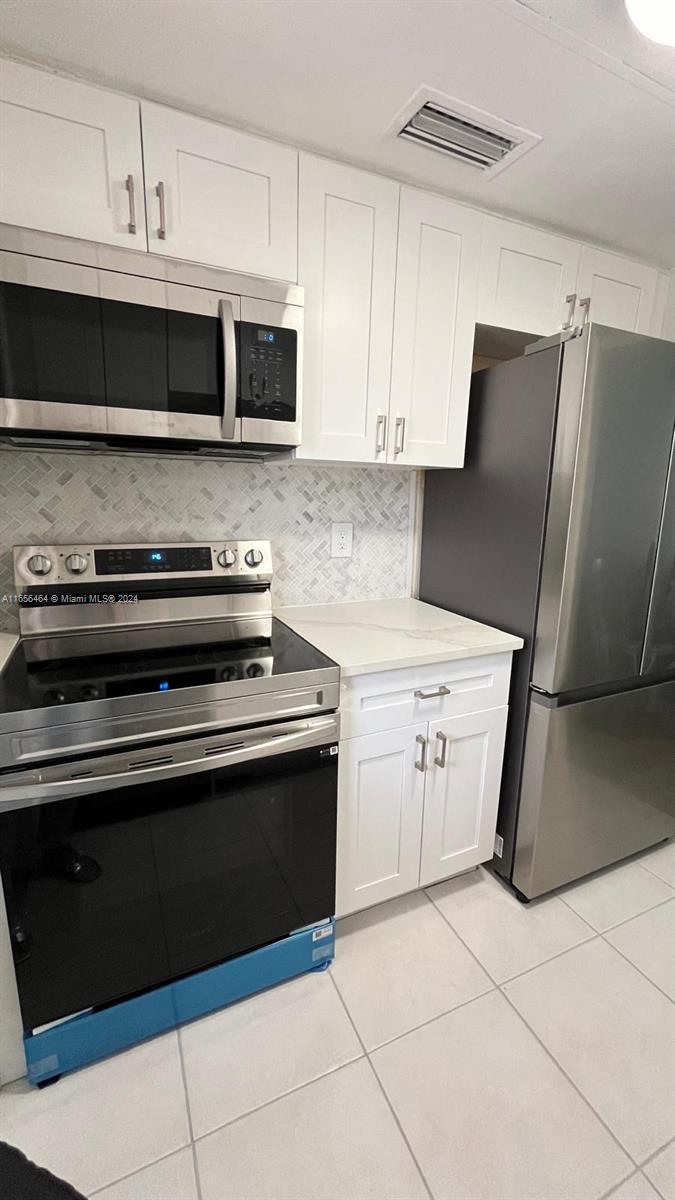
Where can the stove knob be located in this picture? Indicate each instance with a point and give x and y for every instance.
(253, 557)
(227, 558)
(89, 692)
(254, 671)
(39, 564)
(55, 696)
(76, 563)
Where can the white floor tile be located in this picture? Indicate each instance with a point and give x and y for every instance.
(661, 862)
(267, 1045)
(488, 1115)
(661, 1171)
(333, 1140)
(614, 1035)
(96, 1125)
(400, 964)
(506, 936)
(649, 942)
(172, 1178)
(635, 1188)
(616, 895)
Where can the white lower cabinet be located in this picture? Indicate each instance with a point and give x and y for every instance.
(380, 804)
(461, 793)
(418, 803)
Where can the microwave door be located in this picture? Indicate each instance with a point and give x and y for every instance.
(270, 354)
(165, 361)
(51, 350)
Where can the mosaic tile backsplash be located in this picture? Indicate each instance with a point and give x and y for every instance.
(59, 497)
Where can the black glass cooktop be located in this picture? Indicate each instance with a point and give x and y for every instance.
(28, 685)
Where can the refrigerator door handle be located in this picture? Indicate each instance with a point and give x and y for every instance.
(572, 301)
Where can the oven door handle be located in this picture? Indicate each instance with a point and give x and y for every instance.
(228, 422)
(166, 763)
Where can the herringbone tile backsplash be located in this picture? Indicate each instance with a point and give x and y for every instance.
(60, 497)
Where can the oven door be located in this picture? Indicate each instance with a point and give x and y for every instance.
(126, 872)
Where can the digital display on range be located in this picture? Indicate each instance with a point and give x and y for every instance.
(156, 559)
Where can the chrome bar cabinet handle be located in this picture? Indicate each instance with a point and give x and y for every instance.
(422, 743)
(226, 314)
(132, 204)
(399, 429)
(572, 301)
(161, 196)
(442, 758)
(381, 433)
(442, 691)
(586, 305)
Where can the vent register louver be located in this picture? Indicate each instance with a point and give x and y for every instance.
(461, 131)
(459, 138)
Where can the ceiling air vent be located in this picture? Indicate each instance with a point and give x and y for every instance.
(462, 131)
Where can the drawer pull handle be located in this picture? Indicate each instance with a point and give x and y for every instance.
(442, 758)
(422, 743)
(442, 691)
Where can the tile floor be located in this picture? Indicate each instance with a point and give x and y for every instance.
(461, 1047)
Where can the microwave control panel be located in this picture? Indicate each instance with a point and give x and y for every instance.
(267, 371)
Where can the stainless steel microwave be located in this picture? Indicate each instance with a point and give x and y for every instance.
(156, 356)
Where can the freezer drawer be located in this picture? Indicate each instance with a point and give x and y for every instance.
(598, 784)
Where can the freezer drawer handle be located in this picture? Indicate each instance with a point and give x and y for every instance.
(422, 743)
(442, 758)
(442, 691)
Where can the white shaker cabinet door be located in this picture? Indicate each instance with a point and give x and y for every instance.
(525, 276)
(347, 265)
(70, 158)
(219, 196)
(380, 801)
(462, 793)
(622, 292)
(439, 248)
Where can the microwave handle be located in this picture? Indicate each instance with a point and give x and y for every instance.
(226, 314)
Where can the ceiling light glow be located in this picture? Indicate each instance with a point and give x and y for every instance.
(655, 19)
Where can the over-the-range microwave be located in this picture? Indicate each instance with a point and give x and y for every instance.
(113, 348)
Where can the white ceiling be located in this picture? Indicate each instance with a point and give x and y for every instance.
(331, 75)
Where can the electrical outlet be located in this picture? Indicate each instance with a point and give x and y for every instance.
(341, 533)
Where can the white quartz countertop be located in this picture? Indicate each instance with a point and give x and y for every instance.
(378, 635)
(7, 643)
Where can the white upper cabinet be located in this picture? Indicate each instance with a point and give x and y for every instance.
(525, 276)
(218, 196)
(439, 247)
(347, 263)
(70, 158)
(622, 292)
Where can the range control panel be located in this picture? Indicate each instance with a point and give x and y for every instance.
(36, 565)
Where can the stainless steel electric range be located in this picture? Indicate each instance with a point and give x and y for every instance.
(168, 792)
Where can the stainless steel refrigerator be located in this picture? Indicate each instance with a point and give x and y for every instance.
(561, 528)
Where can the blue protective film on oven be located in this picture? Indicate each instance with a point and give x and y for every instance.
(94, 1035)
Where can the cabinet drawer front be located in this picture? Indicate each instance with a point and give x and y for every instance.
(387, 700)
(380, 802)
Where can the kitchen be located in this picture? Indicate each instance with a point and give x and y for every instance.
(337, 764)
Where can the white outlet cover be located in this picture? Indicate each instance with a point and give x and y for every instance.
(341, 534)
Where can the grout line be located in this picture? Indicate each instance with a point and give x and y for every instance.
(430, 1020)
(381, 1087)
(549, 1054)
(608, 929)
(569, 1079)
(275, 1099)
(137, 1170)
(638, 969)
(655, 1154)
(183, 1072)
(615, 1186)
